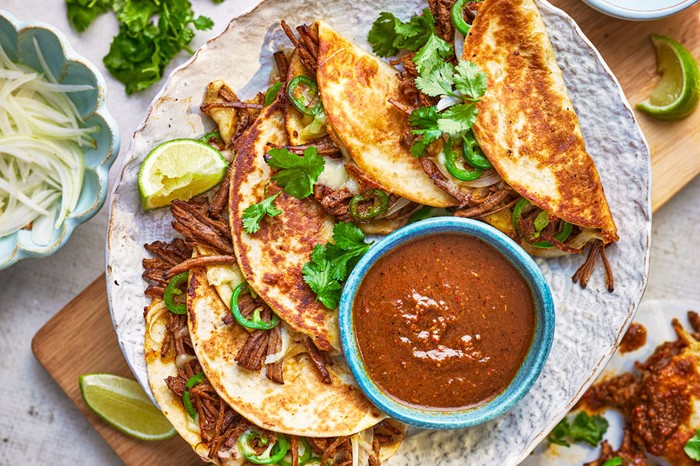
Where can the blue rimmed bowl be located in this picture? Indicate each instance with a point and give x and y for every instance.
(640, 10)
(16, 38)
(529, 370)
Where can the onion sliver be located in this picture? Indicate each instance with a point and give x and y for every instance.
(41, 156)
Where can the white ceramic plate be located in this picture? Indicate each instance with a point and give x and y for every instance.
(590, 322)
(655, 316)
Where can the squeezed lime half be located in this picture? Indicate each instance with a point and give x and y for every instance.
(179, 169)
(122, 403)
(677, 93)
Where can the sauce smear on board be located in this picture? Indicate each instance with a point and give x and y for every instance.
(443, 321)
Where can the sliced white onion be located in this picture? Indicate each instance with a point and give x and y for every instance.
(488, 178)
(396, 206)
(447, 101)
(459, 44)
(41, 159)
(362, 447)
(586, 235)
(183, 359)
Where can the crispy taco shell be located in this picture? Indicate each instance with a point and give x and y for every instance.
(527, 126)
(355, 88)
(303, 405)
(271, 259)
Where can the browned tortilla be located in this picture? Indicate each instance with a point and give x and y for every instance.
(271, 259)
(527, 126)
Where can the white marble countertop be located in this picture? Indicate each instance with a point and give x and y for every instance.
(38, 423)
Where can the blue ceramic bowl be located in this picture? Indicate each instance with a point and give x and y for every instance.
(529, 371)
(16, 38)
(640, 10)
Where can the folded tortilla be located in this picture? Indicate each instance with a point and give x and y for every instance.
(271, 259)
(527, 126)
(303, 405)
(160, 368)
(355, 89)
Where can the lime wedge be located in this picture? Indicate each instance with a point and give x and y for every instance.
(179, 169)
(123, 404)
(677, 93)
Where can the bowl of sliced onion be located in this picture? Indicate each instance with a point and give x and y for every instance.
(57, 140)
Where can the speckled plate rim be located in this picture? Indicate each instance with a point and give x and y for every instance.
(529, 370)
(615, 10)
(23, 250)
(644, 203)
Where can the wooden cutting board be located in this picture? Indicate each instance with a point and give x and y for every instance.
(67, 353)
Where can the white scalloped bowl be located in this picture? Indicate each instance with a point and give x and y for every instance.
(16, 38)
(640, 10)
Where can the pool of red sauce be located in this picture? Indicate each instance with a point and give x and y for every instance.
(443, 322)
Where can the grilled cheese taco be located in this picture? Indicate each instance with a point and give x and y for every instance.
(217, 432)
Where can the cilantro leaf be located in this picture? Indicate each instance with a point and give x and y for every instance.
(425, 124)
(318, 274)
(296, 174)
(389, 34)
(692, 446)
(589, 429)
(616, 461)
(253, 215)
(458, 118)
(584, 428)
(332, 263)
(437, 82)
(433, 53)
(469, 80)
(81, 13)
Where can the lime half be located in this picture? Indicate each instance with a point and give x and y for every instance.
(123, 404)
(179, 169)
(677, 93)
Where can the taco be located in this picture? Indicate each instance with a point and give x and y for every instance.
(219, 434)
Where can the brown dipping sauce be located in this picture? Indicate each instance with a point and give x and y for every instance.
(443, 321)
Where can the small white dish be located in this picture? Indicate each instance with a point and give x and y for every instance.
(640, 10)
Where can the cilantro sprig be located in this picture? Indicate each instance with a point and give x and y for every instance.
(389, 34)
(584, 428)
(254, 214)
(297, 174)
(151, 34)
(692, 446)
(332, 263)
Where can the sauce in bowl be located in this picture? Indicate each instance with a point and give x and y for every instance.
(443, 322)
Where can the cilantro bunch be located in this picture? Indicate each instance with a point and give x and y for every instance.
(332, 263)
(458, 86)
(151, 34)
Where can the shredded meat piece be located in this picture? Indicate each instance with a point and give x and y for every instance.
(401, 106)
(282, 65)
(320, 360)
(166, 255)
(247, 105)
(155, 291)
(441, 10)
(200, 261)
(583, 274)
(173, 252)
(334, 202)
(275, 371)
(336, 444)
(488, 205)
(306, 45)
(252, 354)
(443, 183)
(192, 222)
(325, 146)
(220, 200)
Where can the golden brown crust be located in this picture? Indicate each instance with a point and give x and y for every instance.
(356, 88)
(271, 259)
(527, 125)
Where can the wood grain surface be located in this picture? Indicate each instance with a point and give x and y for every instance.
(80, 339)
